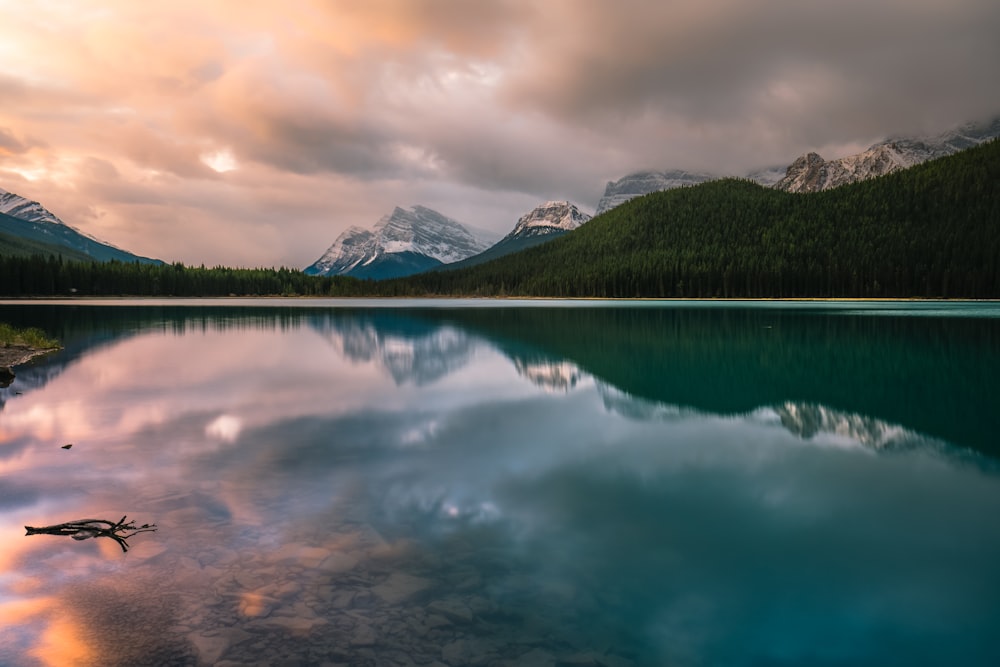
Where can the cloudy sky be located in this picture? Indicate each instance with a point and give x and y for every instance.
(253, 133)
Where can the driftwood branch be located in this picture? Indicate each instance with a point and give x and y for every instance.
(83, 529)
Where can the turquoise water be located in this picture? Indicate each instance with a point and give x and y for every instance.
(505, 483)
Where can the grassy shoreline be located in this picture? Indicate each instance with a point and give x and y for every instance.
(33, 338)
(19, 346)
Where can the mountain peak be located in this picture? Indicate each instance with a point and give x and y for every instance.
(23, 208)
(403, 242)
(548, 218)
(25, 218)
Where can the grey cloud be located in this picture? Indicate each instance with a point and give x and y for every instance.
(307, 143)
(855, 69)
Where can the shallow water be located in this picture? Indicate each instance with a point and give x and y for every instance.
(505, 484)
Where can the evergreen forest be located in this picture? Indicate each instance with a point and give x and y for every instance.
(38, 275)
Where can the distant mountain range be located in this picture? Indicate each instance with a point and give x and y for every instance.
(812, 173)
(27, 227)
(415, 240)
(421, 239)
(370, 254)
(927, 231)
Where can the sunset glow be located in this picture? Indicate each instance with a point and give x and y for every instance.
(265, 130)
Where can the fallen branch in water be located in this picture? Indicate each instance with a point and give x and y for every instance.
(83, 529)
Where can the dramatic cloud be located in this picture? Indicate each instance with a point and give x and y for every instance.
(254, 133)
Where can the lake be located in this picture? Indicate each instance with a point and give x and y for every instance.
(504, 483)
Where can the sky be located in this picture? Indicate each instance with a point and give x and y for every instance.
(253, 133)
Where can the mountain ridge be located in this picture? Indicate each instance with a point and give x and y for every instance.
(541, 224)
(810, 172)
(37, 229)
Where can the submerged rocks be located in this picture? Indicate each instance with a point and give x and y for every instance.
(345, 596)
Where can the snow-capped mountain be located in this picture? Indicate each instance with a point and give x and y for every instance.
(552, 376)
(811, 173)
(401, 243)
(410, 352)
(543, 223)
(23, 218)
(643, 182)
(549, 218)
(807, 420)
(17, 206)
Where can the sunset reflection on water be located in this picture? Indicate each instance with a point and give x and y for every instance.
(374, 488)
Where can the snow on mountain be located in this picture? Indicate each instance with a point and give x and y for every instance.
(643, 182)
(811, 173)
(401, 243)
(548, 218)
(767, 176)
(551, 376)
(418, 356)
(807, 421)
(20, 207)
(349, 250)
(30, 220)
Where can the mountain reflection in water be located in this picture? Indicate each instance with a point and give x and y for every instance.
(614, 485)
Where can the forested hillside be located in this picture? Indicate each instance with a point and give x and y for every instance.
(11, 244)
(930, 231)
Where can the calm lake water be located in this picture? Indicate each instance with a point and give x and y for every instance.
(483, 483)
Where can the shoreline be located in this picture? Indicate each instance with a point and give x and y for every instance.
(440, 297)
(17, 355)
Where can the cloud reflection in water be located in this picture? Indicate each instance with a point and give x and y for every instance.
(283, 468)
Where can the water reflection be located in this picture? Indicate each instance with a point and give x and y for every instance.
(410, 350)
(506, 487)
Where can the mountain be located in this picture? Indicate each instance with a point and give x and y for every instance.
(928, 231)
(27, 227)
(812, 173)
(410, 350)
(400, 244)
(540, 225)
(644, 182)
(767, 176)
(548, 218)
(13, 244)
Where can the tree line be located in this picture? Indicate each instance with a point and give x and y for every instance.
(39, 275)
